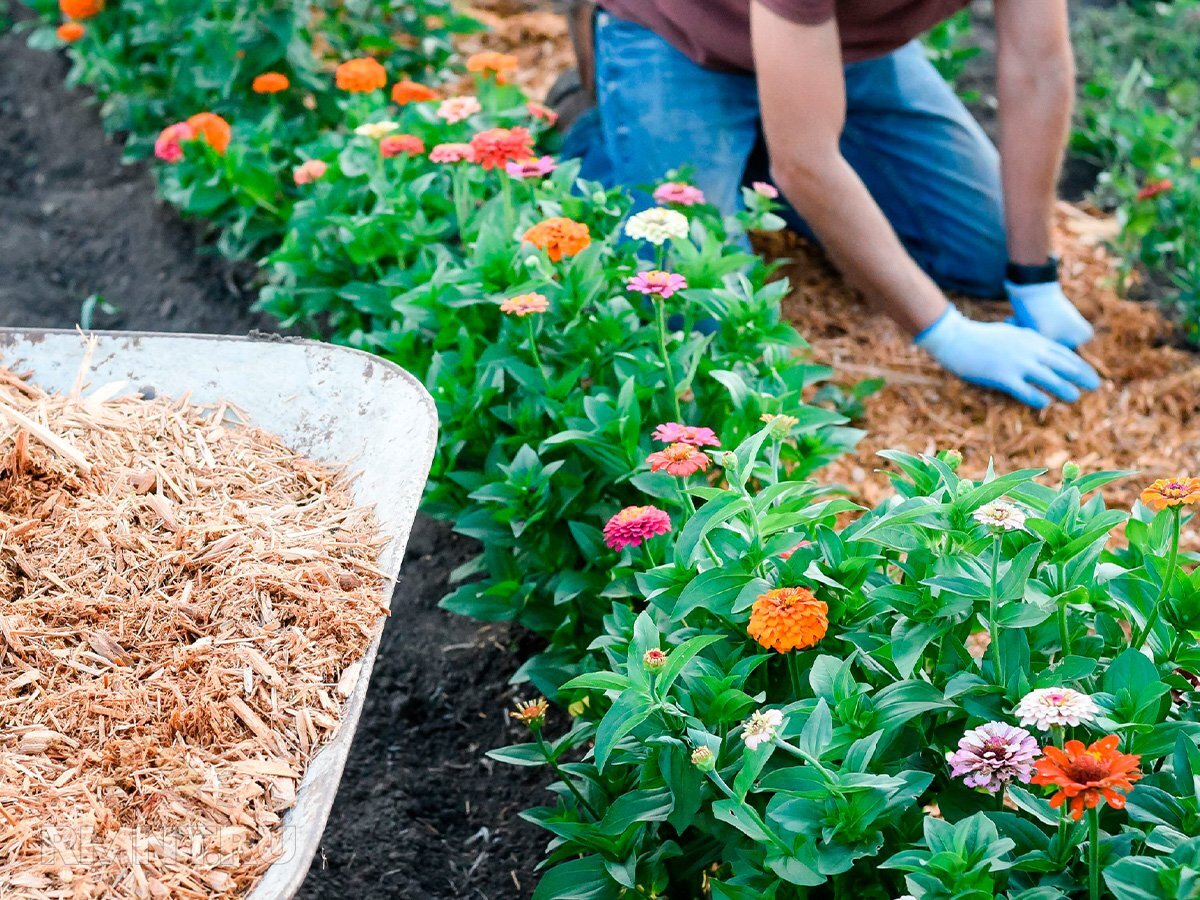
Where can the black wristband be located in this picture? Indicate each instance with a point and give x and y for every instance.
(1046, 272)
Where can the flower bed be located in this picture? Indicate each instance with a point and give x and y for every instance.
(751, 717)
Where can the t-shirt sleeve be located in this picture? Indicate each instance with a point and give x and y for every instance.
(803, 12)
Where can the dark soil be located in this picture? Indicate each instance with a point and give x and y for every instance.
(420, 813)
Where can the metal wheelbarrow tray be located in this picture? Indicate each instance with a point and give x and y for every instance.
(332, 404)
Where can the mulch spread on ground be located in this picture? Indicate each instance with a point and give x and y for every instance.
(184, 602)
(1143, 417)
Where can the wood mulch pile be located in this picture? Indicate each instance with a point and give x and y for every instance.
(1144, 416)
(183, 602)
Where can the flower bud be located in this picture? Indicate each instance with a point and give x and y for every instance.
(729, 460)
(703, 759)
(952, 458)
(654, 659)
(1070, 471)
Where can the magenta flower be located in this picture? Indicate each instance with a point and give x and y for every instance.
(765, 190)
(662, 284)
(679, 193)
(675, 433)
(994, 754)
(533, 167)
(635, 524)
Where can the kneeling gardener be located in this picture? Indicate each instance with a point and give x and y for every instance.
(878, 158)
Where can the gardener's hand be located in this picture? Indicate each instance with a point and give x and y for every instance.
(1046, 309)
(1015, 360)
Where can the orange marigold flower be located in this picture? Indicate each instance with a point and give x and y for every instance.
(489, 62)
(213, 129)
(405, 92)
(1086, 775)
(679, 459)
(559, 237)
(1172, 492)
(788, 618)
(81, 9)
(271, 83)
(361, 76)
(70, 32)
(496, 146)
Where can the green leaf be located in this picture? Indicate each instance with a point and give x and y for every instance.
(680, 656)
(818, 730)
(597, 681)
(579, 879)
(708, 517)
(519, 755)
(631, 710)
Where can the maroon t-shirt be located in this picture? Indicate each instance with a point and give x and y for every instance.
(716, 33)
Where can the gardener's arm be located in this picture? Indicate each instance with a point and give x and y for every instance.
(1035, 77)
(802, 93)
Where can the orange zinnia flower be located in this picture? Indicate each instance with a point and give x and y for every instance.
(1085, 775)
(559, 237)
(1172, 492)
(405, 92)
(489, 62)
(361, 76)
(213, 129)
(271, 83)
(81, 9)
(70, 32)
(788, 619)
(679, 459)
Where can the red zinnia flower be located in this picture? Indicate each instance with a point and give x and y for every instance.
(1085, 775)
(496, 146)
(395, 144)
(679, 459)
(1154, 188)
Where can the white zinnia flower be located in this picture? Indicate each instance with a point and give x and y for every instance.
(1002, 515)
(1047, 707)
(376, 130)
(761, 727)
(657, 226)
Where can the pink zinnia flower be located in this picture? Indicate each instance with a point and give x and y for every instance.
(458, 109)
(1153, 188)
(675, 433)
(635, 524)
(679, 193)
(679, 459)
(541, 111)
(992, 755)
(765, 190)
(532, 167)
(525, 304)
(788, 554)
(309, 171)
(395, 144)
(168, 145)
(452, 153)
(664, 284)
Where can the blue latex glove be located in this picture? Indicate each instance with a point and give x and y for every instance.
(1046, 309)
(1018, 361)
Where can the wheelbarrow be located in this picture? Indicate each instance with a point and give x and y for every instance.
(332, 404)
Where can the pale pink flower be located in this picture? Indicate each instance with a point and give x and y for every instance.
(525, 304)
(993, 755)
(532, 167)
(458, 109)
(309, 172)
(761, 728)
(168, 145)
(679, 459)
(452, 153)
(662, 284)
(765, 190)
(676, 433)
(635, 524)
(679, 193)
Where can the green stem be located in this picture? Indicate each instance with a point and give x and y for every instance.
(458, 188)
(562, 776)
(650, 555)
(993, 629)
(537, 357)
(1064, 633)
(1094, 853)
(661, 316)
(1143, 633)
(660, 257)
(750, 811)
(775, 450)
(810, 759)
(506, 197)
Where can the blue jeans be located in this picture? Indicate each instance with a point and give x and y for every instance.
(925, 160)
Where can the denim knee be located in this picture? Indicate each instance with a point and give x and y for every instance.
(974, 267)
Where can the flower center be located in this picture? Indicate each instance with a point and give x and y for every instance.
(1088, 769)
(678, 452)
